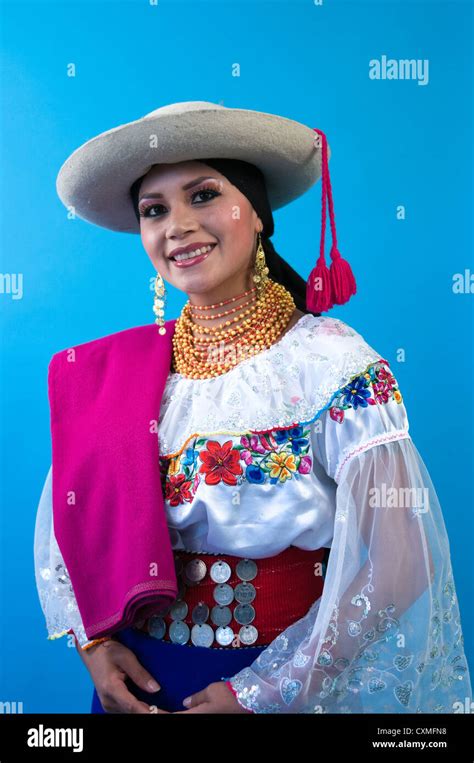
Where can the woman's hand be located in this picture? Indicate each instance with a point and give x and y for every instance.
(110, 664)
(215, 698)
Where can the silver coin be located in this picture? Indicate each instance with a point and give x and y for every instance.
(246, 569)
(156, 626)
(179, 632)
(248, 634)
(202, 635)
(195, 570)
(223, 594)
(244, 614)
(200, 613)
(220, 572)
(221, 615)
(245, 593)
(179, 610)
(224, 636)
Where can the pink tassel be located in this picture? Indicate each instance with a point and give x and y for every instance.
(327, 287)
(318, 288)
(343, 283)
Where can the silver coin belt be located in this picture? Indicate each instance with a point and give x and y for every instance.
(219, 630)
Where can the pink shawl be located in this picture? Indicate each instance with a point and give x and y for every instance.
(108, 508)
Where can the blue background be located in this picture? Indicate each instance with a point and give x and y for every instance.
(393, 143)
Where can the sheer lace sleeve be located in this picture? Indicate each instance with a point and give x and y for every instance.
(385, 636)
(55, 590)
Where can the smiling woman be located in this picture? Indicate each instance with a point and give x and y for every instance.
(253, 561)
(242, 189)
(191, 214)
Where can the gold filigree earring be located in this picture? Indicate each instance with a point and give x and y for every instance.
(260, 275)
(159, 303)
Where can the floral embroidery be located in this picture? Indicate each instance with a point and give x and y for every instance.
(274, 456)
(376, 385)
(221, 463)
(278, 455)
(177, 480)
(178, 490)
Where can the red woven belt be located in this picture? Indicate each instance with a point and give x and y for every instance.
(286, 585)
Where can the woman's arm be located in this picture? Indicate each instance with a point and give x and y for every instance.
(385, 636)
(55, 590)
(109, 662)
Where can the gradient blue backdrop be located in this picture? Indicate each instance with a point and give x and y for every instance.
(393, 143)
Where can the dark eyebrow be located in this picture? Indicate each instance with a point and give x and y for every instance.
(185, 187)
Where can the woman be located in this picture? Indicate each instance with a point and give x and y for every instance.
(240, 513)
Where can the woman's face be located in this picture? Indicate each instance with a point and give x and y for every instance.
(210, 211)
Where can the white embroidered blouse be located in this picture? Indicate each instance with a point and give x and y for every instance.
(307, 444)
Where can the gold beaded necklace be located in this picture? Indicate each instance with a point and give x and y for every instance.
(219, 348)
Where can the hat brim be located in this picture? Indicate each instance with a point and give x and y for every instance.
(96, 178)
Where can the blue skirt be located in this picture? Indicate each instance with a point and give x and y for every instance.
(180, 669)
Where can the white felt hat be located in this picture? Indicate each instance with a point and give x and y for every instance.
(96, 178)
